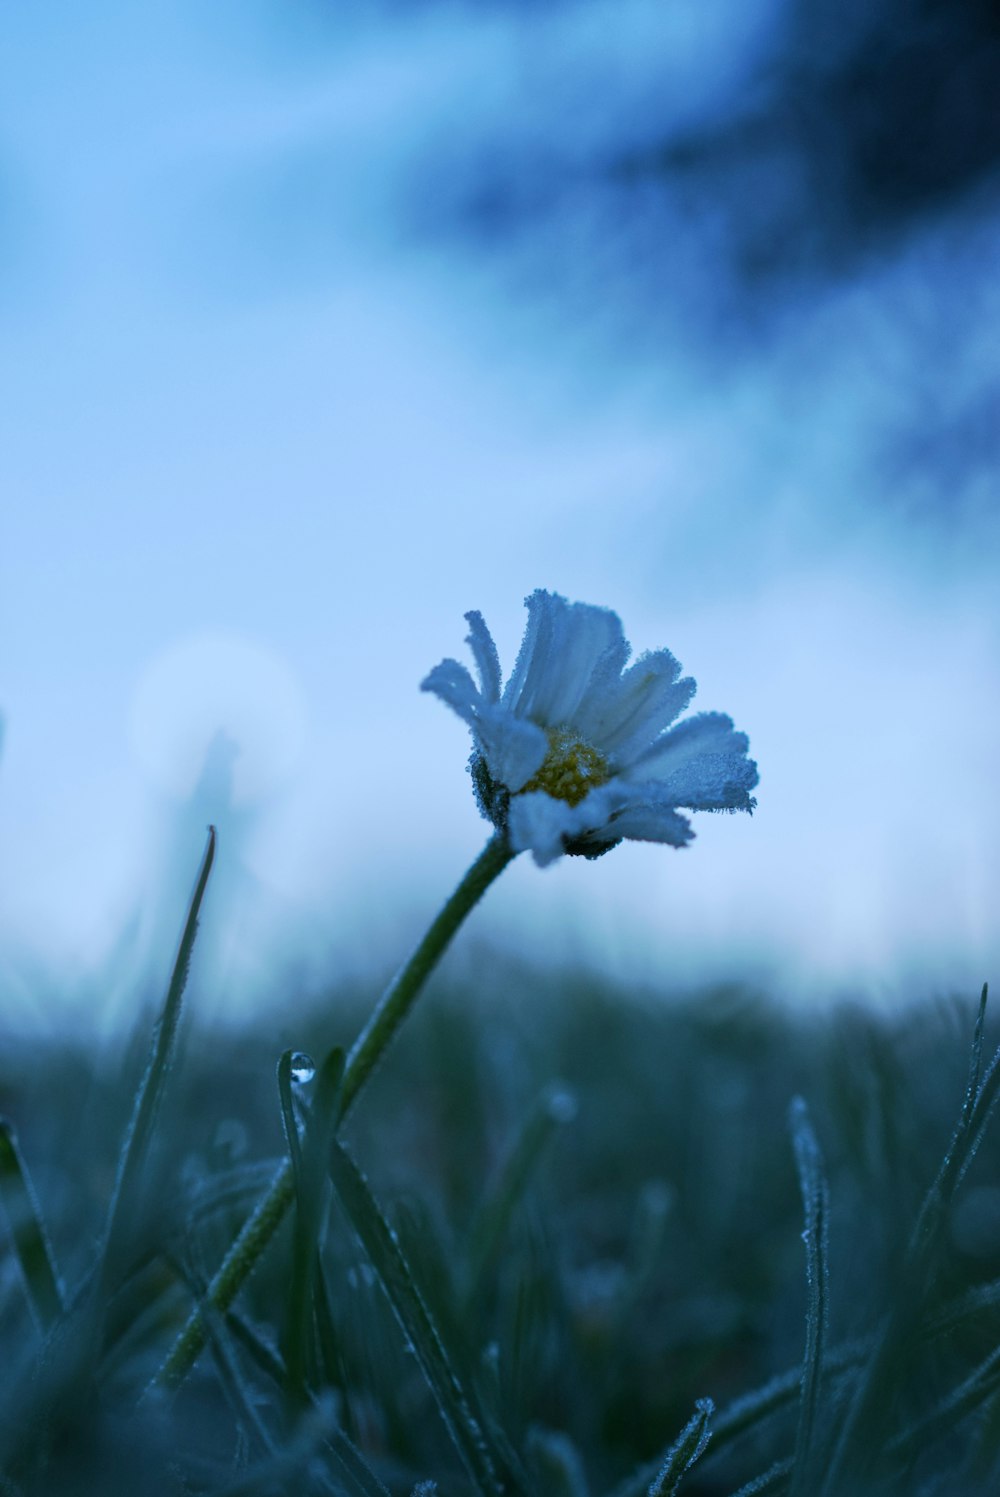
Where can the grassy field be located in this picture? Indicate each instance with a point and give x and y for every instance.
(576, 1240)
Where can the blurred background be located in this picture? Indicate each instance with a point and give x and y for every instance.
(325, 322)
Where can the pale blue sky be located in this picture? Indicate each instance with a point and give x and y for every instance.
(277, 409)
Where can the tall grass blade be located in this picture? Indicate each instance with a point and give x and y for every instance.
(239, 1394)
(286, 1470)
(139, 1133)
(686, 1449)
(816, 1209)
(981, 1384)
(361, 1479)
(389, 1013)
(862, 1436)
(382, 1248)
(553, 1108)
(352, 1465)
(309, 1163)
(770, 1483)
(557, 1464)
(27, 1229)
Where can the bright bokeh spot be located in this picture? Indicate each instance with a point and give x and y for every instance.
(211, 685)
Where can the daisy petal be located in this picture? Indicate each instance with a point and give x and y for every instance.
(537, 824)
(588, 642)
(705, 733)
(564, 644)
(702, 764)
(541, 824)
(536, 643)
(713, 782)
(453, 684)
(481, 643)
(648, 821)
(514, 749)
(625, 718)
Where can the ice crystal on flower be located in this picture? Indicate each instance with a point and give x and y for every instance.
(579, 749)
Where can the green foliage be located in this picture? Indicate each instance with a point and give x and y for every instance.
(531, 1282)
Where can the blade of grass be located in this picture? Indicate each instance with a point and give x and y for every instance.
(139, 1133)
(285, 1469)
(351, 1461)
(815, 1205)
(42, 1284)
(553, 1108)
(309, 1165)
(770, 1483)
(752, 1409)
(981, 1384)
(862, 1437)
(390, 1012)
(238, 1393)
(409, 1307)
(556, 1461)
(685, 1450)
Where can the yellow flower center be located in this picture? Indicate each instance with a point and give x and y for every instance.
(571, 769)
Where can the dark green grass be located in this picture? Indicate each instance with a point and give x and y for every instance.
(563, 1218)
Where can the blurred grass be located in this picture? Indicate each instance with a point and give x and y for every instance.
(594, 1195)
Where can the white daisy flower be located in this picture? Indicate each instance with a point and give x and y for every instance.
(576, 751)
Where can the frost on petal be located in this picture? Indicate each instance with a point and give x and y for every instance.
(587, 643)
(542, 825)
(714, 782)
(564, 645)
(480, 640)
(624, 717)
(705, 733)
(513, 748)
(454, 685)
(702, 763)
(652, 821)
(536, 641)
(537, 824)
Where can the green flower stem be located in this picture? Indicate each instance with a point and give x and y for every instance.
(370, 1046)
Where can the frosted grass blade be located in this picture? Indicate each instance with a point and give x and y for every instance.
(392, 1008)
(557, 1462)
(231, 1190)
(770, 1483)
(352, 1465)
(238, 1395)
(554, 1107)
(686, 1449)
(981, 1384)
(386, 1258)
(31, 1243)
(364, 1482)
(139, 1133)
(309, 1163)
(861, 1437)
(285, 1469)
(816, 1209)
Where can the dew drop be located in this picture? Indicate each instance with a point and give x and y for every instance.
(303, 1068)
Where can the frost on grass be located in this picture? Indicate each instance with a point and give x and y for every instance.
(580, 750)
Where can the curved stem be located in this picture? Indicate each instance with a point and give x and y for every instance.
(368, 1049)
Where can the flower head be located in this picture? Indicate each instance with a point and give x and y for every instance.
(577, 751)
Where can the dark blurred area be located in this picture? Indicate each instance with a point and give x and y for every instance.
(865, 122)
(857, 125)
(595, 1190)
(831, 199)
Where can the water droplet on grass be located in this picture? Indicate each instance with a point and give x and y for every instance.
(303, 1068)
